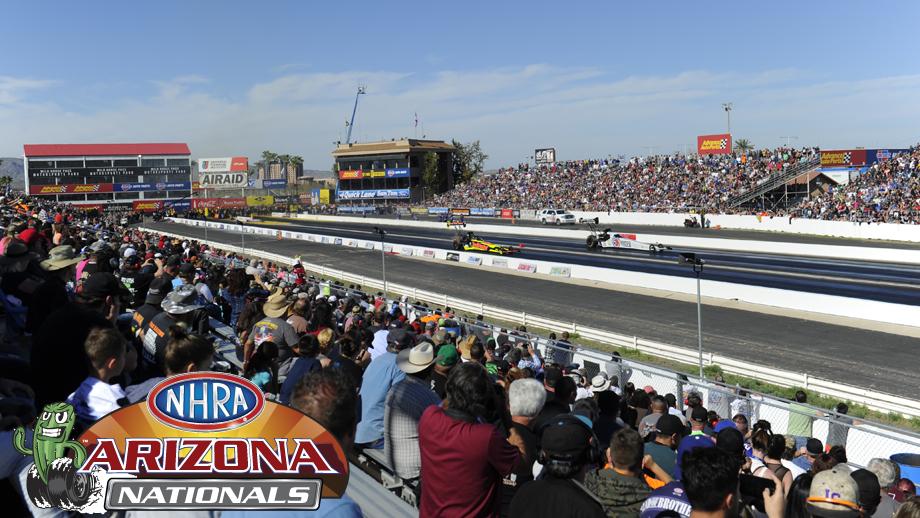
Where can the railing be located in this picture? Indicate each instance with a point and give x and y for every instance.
(777, 180)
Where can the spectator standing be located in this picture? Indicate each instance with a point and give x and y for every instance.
(668, 433)
(801, 418)
(621, 489)
(525, 398)
(560, 394)
(405, 404)
(838, 428)
(381, 375)
(565, 454)
(718, 399)
(834, 494)
(888, 473)
(464, 454)
(562, 350)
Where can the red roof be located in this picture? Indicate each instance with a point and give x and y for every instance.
(34, 150)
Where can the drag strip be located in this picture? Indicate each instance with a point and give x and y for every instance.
(885, 282)
(872, 359)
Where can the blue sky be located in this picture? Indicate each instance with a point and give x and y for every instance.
(590, 78)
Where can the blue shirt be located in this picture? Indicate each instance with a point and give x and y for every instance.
(380, 375)
(329, 507)
(301, 367)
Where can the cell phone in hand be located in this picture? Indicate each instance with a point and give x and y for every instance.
(752, 490)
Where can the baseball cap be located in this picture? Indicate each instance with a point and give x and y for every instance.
(725, 424)
(400, 337)
(834, 494)
(689, 443)
(187, 269)
(669, 425)
(870, 492)
(731, 441)
(129, 252)
(159, 287)
(669, 498)
(814, 447)
(699, 414)
(565, 436)
(103, 284)
(174, 260)
(447, 356)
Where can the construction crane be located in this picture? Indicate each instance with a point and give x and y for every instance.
(361, 91)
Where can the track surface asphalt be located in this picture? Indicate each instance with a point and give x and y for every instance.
(870, 359)
(887, 282)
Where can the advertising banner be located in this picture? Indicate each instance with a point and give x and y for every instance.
(374, 174)
(146, 205)
(351, 174)
(238, 180)
(507, 214)
(355, 209)
(482, 212)
(236, 164)
(260, 201)
(843, 158)
(274, 184)
(178, 205)
(720, 144)
(219, 203)
(397, 173)
(80, 188)
(325, 196)
(460, 212)
(162, 186)
(78, 172)
(438, 210)
(373, 194)
(544, 156)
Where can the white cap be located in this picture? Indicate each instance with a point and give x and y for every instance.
(333, 298)
(129, 252)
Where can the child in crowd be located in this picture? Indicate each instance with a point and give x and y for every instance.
(106, 350)
(263, 369)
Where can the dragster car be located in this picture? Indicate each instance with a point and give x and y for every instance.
(604, 239)
(468, 242)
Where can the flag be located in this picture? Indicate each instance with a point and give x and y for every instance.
(416, 119)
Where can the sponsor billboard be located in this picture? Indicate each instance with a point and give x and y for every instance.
(236, 164)
(219, 203)
(223, 180)
(146, 205)
(438, 210)
(843, 158)
(274, 184)
(720, 144)
(545, 155)
(373, 194)
(397, 173)
(260, 201)
(79, 172)
(79, 188)
(482, 212)
(351, 174)
(162, 186)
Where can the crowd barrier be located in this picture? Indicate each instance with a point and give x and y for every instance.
(864, 440)
(846, 307)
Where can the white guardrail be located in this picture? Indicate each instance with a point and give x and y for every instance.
(863, 442)
(875, 400)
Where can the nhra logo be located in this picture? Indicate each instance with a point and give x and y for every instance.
(202, 440)
(160, 186)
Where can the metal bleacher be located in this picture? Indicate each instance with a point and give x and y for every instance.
(777, 180)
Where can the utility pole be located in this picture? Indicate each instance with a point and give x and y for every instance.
(728, 113)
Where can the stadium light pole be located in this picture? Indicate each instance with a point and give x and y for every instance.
(383, 257)
(728, 113)
(691, 259)
(789, 138)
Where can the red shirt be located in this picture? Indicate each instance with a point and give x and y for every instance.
(462, 465)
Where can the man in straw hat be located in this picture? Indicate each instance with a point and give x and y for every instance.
(273, 328)
(405, 404)
(52, 294)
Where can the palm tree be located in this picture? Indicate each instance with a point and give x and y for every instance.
(269, 158)
(744, 145)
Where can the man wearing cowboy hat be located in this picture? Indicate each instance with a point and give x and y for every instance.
(274, 328)
(405, 403)
(53, 294)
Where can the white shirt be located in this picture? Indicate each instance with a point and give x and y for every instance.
(379, 344)
(583, 393)
(795, 470)
(95, 398)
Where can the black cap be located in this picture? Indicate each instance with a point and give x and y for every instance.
(174, 260)
(699, 414)
(731, 441)
(103, 284)
(187, 269)
(669, 425)
(400, 338)
(870, 491)
(159, 288)
(814, 447)
(565, 436)
(551, 376)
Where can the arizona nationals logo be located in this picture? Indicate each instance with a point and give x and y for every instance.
(201, 440)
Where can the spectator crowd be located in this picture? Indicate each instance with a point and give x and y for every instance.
(476, 421)
(887, 191)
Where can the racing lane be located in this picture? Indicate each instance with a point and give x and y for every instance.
(886, 282)
(871, 359)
